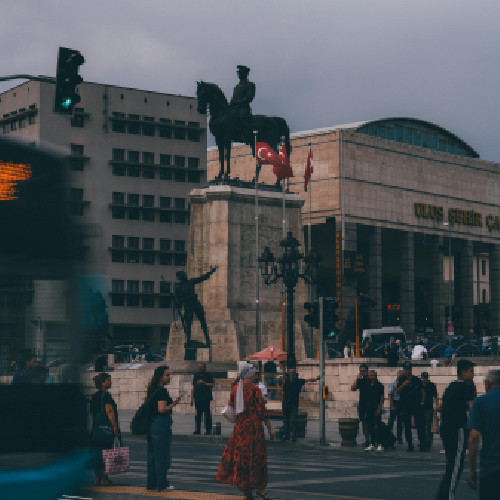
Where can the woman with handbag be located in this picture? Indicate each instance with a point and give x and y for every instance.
(159, 434)
(244, 461)
(105, 426)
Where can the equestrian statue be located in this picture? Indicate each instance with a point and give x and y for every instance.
(234, 121)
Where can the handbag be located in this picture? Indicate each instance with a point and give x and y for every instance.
(102, 430)
(116, 460)
(435, 424)
(229, 414)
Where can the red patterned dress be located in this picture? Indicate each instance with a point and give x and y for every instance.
(244, 461)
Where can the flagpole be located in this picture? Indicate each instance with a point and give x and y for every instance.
(309, 244)
(257, 283)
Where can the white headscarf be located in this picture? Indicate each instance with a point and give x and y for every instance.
(246, 371)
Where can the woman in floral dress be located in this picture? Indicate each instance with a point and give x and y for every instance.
(244, 461)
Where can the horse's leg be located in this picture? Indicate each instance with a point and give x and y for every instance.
(221, 160)
(228, 166)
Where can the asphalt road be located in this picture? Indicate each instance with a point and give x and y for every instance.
(293, 474)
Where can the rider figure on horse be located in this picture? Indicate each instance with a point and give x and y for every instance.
(243, 95)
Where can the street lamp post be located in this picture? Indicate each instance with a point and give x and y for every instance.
(288, 268)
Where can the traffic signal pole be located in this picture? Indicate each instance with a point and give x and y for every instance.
(322, 430)
(48, 79)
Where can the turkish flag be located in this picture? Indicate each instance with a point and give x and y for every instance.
(265, 155)
(284, 170)
(309, 169)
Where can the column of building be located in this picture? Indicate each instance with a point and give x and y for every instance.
(375, 275)
(408, 283)
(494, 255)
(467, 287)
(439, 291)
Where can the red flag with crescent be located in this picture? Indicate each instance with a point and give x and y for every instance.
(284, 170)
(309, 169)
(265, 155)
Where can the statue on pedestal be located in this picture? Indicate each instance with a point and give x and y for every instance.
(234, 121)
(188, 305)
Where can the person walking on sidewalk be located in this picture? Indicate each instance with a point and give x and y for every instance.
(430, 396)
(362, 384)
(201, 395)
(159, 436)
(291, 391)
(457, 401)
(374, 404)
(395, 410)
(484, 424)
(412, 397)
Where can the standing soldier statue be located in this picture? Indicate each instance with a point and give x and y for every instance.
(187, 300)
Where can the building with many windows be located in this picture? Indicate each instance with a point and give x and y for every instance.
(404, 211)
(133, 158)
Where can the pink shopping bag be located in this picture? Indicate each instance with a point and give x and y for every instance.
(116, 460)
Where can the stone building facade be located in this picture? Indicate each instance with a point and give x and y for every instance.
(389, 202)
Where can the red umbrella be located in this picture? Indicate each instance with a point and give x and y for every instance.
(269, 353)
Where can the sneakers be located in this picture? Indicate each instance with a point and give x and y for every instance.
(370, 447)
(380, 448)
(170, 487)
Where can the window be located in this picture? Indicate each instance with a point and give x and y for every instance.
(118, 125)
(133, 199)
(117, 241)
(180, 161)
(148, 258)
(165, 201)
(179, 176)
(119, 170)
(148, 158)
(165, 217)
(484, 296)
(408, 136)
(165, 174)
(76, 159)
(118, 213)
(134, 127)
(165, 159)
(148, 129)
(165, 245)
(194, 177)
(132, 286)
(148, 215)
(78, 120)
(179, 218)
(179, 134)
(180, 203)
(165, 286)
(148, 287)
(134, 171)
(483, 268)
(148, 200)
(117, 256)
(148, 243)
(179, 245)
(165, 259)
(193, 162)
(165, 131)
(117, 286)
(133, 156)
(118, 155)
(180, 260)
(148, 172)
(118, 198)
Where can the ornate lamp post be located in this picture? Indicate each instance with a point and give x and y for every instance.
(288, 267)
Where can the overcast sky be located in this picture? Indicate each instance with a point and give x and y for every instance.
(317, 63)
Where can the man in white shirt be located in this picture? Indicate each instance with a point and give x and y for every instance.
(419, 352)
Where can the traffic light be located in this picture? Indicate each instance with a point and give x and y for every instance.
(324, 392)
(312, 318)
(330, 318)
(67, 78)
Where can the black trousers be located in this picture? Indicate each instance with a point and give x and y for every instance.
(373, 422)
(290, 412)
(395, 415)
(203, 408)
(428, 417)
(407, 413)
(455, 444)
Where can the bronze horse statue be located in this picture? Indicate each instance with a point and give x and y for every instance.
(226, 127)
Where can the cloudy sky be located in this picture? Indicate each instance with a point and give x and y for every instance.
(317, 63)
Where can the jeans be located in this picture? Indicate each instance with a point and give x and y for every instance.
(158, 452)
(395, 415)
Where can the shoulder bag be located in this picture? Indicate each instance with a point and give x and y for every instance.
(102, 430)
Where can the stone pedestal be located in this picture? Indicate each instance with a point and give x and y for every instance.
(222, 234)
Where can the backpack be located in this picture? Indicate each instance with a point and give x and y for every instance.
(141, 420)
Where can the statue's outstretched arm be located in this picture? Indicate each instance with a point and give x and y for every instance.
(205, 276)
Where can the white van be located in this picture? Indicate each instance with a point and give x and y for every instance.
(384, 334)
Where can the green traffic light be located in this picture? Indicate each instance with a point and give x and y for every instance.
(66, 103)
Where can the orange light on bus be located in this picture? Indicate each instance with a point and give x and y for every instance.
(10, 175)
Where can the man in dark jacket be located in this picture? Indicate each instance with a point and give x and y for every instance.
(201, 395)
